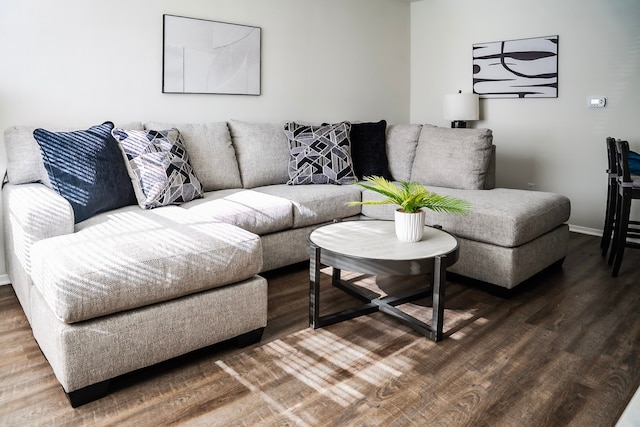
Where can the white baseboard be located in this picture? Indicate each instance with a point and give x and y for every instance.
(585, 230)
(4, 279)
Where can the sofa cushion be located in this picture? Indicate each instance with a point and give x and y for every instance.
(24, 160)
(262, 151)
(508, 267)
(454, 158)
(502, 216)
(159, 167)
(319, 154)
(211, 153)
(86, 168)
(316, 204)
(131, 258)
(369, 150)
(402, 141)
(250, 210)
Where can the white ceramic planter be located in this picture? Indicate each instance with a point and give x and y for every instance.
(409, 226)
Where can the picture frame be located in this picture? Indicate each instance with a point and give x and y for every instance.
(210, 57)
(522, 68)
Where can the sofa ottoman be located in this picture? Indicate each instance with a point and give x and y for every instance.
(159, 284)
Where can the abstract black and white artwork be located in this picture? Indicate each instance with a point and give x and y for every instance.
(525, 68)
(201, 56)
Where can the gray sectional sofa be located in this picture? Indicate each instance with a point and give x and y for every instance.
(131, 287)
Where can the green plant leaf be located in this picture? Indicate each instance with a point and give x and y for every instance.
(411, 197)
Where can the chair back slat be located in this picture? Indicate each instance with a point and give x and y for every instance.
(611, 156)
(622, 155)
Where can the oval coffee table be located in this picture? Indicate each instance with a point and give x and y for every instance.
(371, 247)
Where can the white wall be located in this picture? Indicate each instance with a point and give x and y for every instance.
(80, 62)
(556, 143)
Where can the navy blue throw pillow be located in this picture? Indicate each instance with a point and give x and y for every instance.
(87, 168)
(369, 150)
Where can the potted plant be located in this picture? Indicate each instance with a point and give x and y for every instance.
(412, 198)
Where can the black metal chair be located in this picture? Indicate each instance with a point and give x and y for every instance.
(628, 190)
(612, 193)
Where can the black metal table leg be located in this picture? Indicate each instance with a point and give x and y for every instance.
(335, 276)
(314, 287)
(438, 277)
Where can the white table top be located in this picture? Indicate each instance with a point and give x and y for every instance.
(377, 240)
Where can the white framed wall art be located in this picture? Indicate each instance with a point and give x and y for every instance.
(202, 56)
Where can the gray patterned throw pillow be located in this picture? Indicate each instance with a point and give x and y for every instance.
(320, 154)
(159, 167)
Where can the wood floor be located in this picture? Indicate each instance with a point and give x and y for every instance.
(563, 350)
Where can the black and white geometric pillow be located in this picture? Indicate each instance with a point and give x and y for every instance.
(159, 167)
(320, 154)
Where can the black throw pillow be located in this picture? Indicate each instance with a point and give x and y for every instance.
(368, 149)
(87, 168)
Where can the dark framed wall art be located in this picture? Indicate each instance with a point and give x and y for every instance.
(201, 56)
(524, 68)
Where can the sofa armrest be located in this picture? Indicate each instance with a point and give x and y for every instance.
(33, 212)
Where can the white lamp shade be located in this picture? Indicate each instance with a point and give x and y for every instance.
(461, 106)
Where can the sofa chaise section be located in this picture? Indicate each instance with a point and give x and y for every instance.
(509, 236)
(130, 288)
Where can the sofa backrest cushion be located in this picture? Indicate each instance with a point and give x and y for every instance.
(454, 158)
(402, 140)
(211, 153)
(87, 168)
(24, 160)
(263, 152)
